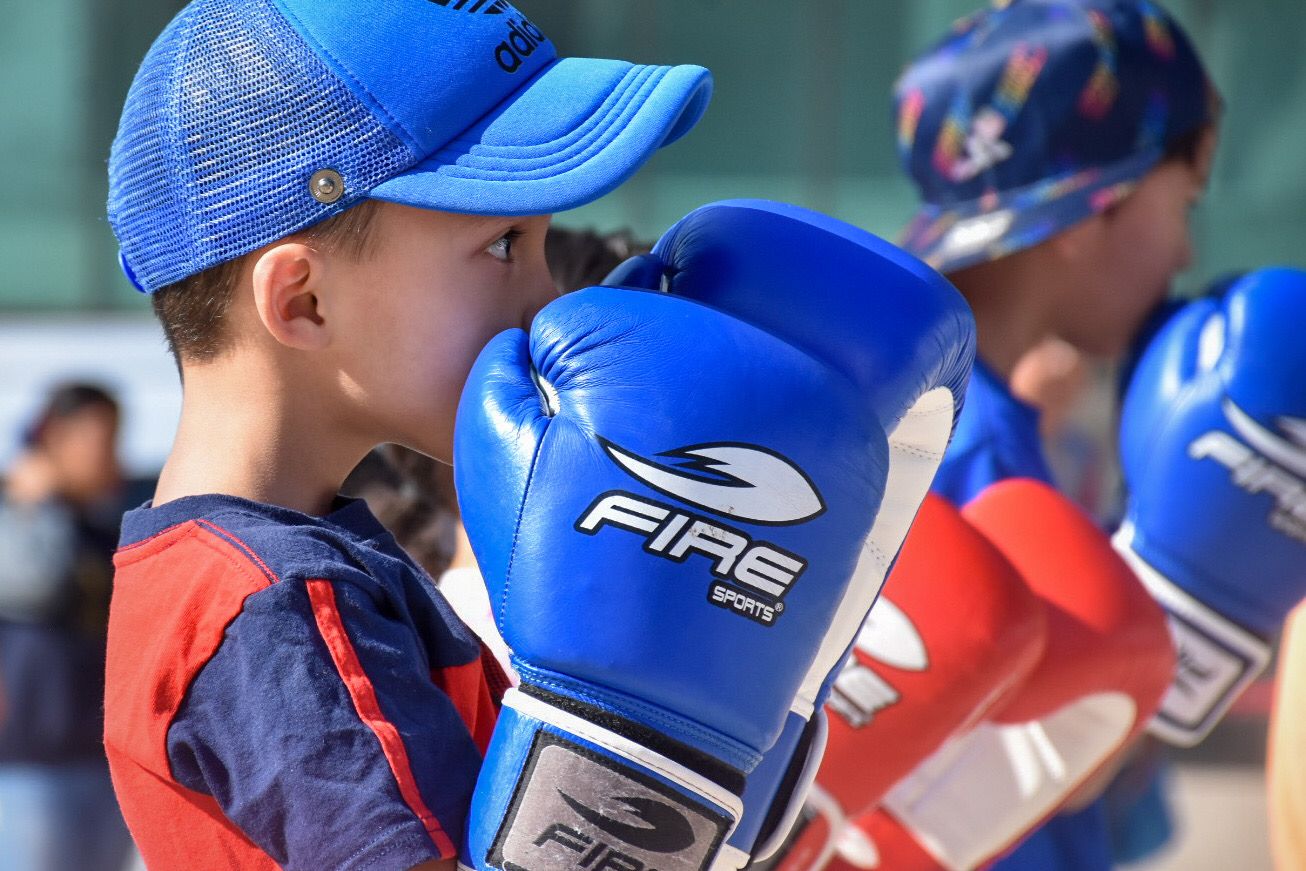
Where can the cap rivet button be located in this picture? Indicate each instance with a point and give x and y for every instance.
(326, 186)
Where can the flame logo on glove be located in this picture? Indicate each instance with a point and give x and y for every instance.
(746, 482)
(749, 577)
(667, 830)
(889, 638)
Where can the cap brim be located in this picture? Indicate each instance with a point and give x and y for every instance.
(963, 234)
(577, 130)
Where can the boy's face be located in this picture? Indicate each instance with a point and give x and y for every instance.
(435, 289)
(83, 447)
(1142, 244)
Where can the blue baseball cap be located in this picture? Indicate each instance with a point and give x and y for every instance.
(250, 120)
(1036, 114)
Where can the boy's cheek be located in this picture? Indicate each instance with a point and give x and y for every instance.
(445, 333)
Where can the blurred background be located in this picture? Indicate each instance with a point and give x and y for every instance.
(801, 113)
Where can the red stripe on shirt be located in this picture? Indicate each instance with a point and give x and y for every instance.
(476, 689)
(323, 598)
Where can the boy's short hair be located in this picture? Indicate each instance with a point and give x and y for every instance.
(1031, 117)
(252, 120)
(193, 311)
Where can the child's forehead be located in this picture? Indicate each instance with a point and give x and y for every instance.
(454, 223)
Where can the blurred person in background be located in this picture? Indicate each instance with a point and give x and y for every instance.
(1058, 147)
(1286, 765)
(59, 517)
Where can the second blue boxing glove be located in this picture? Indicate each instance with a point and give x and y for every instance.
(1213, 447)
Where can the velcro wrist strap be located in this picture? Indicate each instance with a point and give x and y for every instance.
(1217, 659)
(558, 792)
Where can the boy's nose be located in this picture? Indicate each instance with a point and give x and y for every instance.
(542, 292)
(1186, 251)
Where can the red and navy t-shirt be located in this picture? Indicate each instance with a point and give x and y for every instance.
(288, 690)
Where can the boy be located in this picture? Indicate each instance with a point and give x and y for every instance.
(320, 197)
(1058, 146)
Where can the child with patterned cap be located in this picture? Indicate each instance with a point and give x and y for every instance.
(1058, 147)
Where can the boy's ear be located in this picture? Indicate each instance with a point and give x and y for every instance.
(1081, 240)
(288, 281)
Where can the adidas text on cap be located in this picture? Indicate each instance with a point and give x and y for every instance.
(250, 120)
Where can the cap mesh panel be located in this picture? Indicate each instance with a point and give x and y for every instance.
(229, 117)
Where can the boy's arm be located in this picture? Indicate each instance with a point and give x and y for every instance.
(440, 865)
(319, 730)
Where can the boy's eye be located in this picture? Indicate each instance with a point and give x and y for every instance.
(501, 248)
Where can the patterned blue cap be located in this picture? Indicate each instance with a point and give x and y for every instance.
(1032, 116)
(250, 120)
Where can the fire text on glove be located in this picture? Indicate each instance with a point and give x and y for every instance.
(762, 571)
(1256, 474)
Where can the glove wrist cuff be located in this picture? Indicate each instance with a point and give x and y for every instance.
(702, 749)
(1216, 658)
(556, 789)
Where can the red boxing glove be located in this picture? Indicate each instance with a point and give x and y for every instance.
(955, 628)
(1107, 663)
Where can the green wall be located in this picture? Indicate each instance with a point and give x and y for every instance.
(800, 113)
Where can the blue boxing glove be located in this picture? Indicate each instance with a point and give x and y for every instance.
(1213, 447)
(667, 504)
(903, 336)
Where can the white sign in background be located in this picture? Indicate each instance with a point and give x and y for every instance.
(127, 355)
